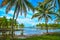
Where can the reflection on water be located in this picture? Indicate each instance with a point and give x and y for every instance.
(28, 31)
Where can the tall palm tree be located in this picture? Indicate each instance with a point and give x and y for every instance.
(20, 6)
(9, 24)
(43, 11)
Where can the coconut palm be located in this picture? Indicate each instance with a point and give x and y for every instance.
(4, 22)
(10, 21)
(20, 6)
(22, 26)
(9, 24)
(43, 11)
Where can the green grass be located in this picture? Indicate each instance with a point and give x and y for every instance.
(51, 36)
(54, 36)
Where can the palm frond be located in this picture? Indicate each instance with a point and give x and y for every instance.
(35, 15)
(50, 17)
(15, 10)
(23, 5)
(29, 5)
(55, 14)
(17, 13)
(40, 17)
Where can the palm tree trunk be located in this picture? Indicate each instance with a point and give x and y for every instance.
(12, 30)
(12, 27)
(4, 34)
(22, 32)
(46, 26)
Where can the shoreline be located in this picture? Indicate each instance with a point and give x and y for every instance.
(28, 36)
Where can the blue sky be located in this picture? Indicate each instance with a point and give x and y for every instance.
(21, 19)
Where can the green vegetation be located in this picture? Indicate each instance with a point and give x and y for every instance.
(52, 26)
(50, 36)
(20, 6)
(6, 23)
(44, 11)
(54, 36)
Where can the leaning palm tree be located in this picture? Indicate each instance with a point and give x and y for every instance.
(43, 11)
(20, 6)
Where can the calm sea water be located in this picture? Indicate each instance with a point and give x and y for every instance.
(31, 31)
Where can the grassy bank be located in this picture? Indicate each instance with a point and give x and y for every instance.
(52, 36)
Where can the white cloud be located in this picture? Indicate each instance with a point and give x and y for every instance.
(26, 21)
(11, 12)
(21, 19)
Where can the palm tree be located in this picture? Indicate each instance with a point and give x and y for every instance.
(20, 6)
(10, 21)
(1, 22)
(42, 26)
(15, 23)
(22, 26)
(43, 11)
(4, 22)
(4, 26)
